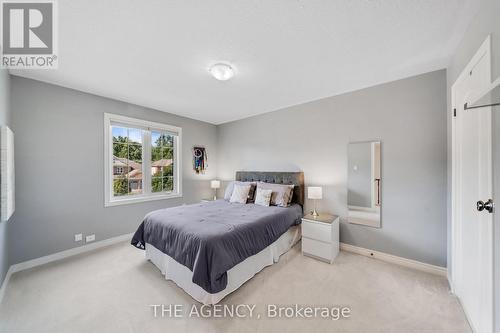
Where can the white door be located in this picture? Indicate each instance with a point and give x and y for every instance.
(472, 229)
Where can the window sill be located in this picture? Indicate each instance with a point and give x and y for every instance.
(129, 201)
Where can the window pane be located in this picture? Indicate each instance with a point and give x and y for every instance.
(168, 154)
(120, 186)
(163, 162)
(135, 184)
(155, 139)
(156, 154)
(156, 184)
(168, 170)
(119, 170)
(119, 134)
(135, 136)
(120, 160)
(163, 139)
(169, 141)
(135, 155)
(168, 184)
(156, 160)
(120, 150)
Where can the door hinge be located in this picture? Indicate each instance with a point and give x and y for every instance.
(455, 113)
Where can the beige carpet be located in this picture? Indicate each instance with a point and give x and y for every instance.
(111, 290)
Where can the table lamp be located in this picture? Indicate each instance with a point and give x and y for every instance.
(315, 193)
(215, 184)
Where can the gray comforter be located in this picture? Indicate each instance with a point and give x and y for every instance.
(212, 237)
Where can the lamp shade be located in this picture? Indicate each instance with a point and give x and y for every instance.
(215, 184)
(314, 192)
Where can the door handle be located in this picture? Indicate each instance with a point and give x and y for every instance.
(488, 205)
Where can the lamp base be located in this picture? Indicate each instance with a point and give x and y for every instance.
(315, 213)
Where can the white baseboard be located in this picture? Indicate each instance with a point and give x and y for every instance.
(450, 283)
(58, 256)
(10, 271)
(421, 266)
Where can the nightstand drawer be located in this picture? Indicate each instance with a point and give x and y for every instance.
(319, 231)
(317, 248)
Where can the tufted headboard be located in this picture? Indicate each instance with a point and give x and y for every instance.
(289, 178)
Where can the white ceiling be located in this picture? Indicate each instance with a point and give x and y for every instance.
(286, 52)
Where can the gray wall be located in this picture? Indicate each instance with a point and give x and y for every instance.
(409, 118)
(59, 168)
(4, 120)
(359, 189)
(496, 226)
(486, 21)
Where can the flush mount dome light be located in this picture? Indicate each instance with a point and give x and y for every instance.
(221, 72)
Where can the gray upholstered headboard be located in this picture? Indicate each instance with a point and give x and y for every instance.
(289, 178)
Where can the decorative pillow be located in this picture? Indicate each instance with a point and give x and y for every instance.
(263, 197)
(240, 193)
(230, 188)
(281, 193)
(291, 195)
(251, 194)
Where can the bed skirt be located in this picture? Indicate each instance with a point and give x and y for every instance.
(236, 276)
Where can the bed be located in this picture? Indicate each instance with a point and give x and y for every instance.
(210, 249)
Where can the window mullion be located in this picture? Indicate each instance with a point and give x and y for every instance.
(175, 170)
(146, 162)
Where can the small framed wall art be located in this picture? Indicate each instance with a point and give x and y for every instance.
(199, 159)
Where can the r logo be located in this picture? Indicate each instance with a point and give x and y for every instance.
(27, 28)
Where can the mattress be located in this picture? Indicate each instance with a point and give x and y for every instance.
(236, 276)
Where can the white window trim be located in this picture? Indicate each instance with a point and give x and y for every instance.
(109, 200)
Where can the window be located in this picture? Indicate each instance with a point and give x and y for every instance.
(142, 160)
(118, 170)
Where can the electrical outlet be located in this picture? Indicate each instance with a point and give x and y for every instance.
(90, 238)
(78, 237)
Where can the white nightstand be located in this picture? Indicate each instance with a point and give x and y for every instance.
(320, 236)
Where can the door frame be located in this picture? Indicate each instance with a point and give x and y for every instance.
(456, 232)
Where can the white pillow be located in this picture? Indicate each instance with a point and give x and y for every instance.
(240, 194)
(229, 191)
(263, 197)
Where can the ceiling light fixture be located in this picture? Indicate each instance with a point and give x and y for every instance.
(221, 72)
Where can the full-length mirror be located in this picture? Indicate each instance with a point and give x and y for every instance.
(364, 183)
